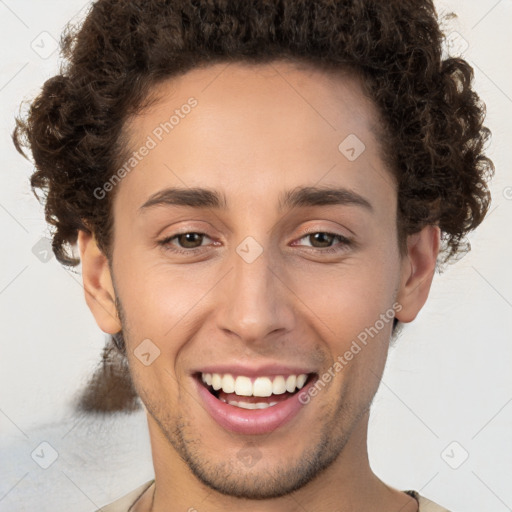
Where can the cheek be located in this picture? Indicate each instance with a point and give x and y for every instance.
(349, 298)
(353, 314)
(158, 300)
(159, 309)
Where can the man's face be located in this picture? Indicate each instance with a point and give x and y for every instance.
(257, 290)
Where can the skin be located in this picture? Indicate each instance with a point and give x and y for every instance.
(258, 131)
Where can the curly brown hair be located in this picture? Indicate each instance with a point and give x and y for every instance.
(432, 119)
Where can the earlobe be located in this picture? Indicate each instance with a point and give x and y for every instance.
(97, 281)
(418, 268)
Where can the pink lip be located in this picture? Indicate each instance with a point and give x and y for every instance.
(250, 421)
(260, 371)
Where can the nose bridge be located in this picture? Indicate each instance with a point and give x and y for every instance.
(255, 302)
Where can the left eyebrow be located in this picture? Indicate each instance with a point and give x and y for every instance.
(321, 196)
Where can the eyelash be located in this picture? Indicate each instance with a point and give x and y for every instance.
(345, 242)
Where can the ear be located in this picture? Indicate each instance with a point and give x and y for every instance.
(98, 287)
(418, 268)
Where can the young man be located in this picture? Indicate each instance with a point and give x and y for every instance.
(253, 187)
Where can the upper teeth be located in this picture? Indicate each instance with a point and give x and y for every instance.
(262, 386)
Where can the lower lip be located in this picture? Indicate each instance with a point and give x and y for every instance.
(251, 421)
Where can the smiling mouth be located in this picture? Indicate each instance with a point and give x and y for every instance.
(253, 393)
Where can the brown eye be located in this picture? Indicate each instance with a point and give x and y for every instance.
(324, 239)
(189, 240)
(184, 243)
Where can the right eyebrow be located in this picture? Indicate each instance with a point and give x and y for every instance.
(196, 197)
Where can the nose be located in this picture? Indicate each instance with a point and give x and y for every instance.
(257, 302)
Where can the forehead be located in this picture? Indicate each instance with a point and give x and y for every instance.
(280, 88)
(254, 128)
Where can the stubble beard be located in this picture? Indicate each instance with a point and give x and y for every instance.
(231, 478)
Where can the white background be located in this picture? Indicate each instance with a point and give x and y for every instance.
(448, 379)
